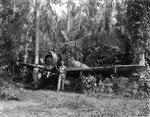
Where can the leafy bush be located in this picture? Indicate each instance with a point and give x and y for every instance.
(118, 85)
(88, 83)
(103, 55)
(8, 92)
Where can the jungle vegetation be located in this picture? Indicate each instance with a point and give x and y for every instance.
(95, 32)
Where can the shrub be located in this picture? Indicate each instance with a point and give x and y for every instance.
(119, 85)
(103, 55)
(8, 90)
(8, 93)
(88, 83)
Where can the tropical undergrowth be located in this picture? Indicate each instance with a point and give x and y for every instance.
(8, 89)
(136, 85)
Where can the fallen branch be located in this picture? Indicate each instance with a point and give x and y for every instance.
(76, 64)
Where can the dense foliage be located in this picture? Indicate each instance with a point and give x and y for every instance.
(103, 55)
(138, 15)
(73, 34)
(133, 86)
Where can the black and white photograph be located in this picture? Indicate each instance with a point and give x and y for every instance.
(74, 58)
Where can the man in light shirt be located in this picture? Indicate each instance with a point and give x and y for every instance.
(61, 77)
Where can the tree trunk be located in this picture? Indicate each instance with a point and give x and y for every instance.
(26, 53)
(142, 60)
(92, 8)
(80, 14)
(35, 72)
(14, 6)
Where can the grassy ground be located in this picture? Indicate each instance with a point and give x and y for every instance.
(20, 102)
(46, 103)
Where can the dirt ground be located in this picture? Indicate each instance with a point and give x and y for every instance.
(46, 103)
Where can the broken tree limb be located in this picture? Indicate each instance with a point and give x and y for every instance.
(76, 64)
(65, 35)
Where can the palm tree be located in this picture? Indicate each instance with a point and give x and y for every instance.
(35, 72)
(69, 19)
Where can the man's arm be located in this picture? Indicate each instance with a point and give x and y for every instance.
(57, 69)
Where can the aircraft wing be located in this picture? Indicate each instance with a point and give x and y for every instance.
(109, 69)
